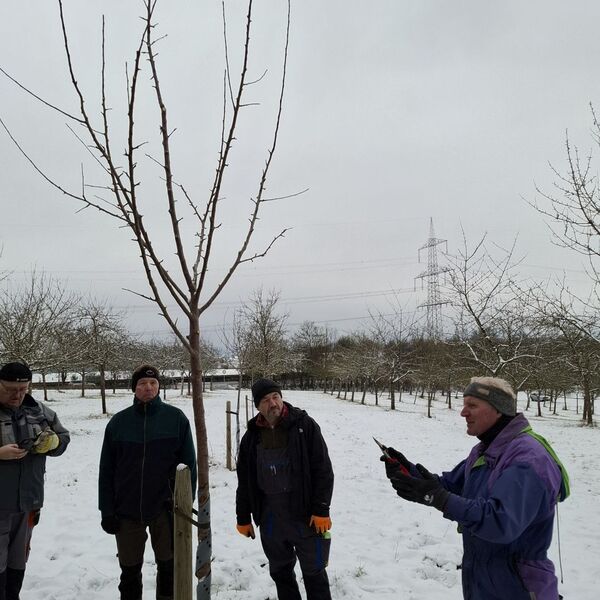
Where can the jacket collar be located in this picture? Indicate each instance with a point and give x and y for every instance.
(291, 415)
(149, 407)
(507, 435)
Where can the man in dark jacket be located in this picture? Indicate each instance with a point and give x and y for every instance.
(143, 445)
(285, 483)
(503, 496)
(29, 431)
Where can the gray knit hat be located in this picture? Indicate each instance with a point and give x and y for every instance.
(503, 402)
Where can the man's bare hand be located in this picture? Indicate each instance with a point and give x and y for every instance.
(11, 452)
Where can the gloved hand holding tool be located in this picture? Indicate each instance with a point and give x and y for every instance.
(395, 462)
(426, 491)
(46, 441)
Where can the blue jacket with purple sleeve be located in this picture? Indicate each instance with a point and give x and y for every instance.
(503, 497)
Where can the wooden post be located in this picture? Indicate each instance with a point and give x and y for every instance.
(228, 435)
(182, 534)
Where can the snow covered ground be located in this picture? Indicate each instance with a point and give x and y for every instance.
(383, 548)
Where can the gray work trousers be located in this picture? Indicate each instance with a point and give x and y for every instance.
(15, 536)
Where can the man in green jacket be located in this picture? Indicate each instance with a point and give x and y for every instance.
(143, 444)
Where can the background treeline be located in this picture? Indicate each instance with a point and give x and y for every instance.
(543, 343)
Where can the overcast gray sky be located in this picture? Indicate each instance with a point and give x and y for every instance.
(395, 112)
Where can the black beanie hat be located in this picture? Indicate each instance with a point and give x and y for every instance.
(15, 371)
(261, 388)
(144, 371)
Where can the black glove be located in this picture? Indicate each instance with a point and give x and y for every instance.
(392, 469)
(34, 518)
(426, 491)
(111, 524)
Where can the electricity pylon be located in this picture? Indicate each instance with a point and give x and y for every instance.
(432, 275)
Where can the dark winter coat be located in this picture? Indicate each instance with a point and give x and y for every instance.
(23, 479)
(143, 444)
(504, 498)
(311, 470)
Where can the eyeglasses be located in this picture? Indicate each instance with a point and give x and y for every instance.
(15, 390)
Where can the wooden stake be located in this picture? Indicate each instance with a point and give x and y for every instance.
(182, 533)
(228, 435)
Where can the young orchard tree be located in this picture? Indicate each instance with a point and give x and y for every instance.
(493, 317)
(104, 333)
(122, 197)
(237, 341)
(393, 333)
(34, 318)
(574, 207)
(265, 330)
(576, 330)
(313, 347)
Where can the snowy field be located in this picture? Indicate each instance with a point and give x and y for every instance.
(383, 547)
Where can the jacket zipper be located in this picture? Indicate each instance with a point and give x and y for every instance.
(143, 463)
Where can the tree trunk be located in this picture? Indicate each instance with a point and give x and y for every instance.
(203, 552)
(44, 386)
(103, 389)
(83, 383)
(587, 401)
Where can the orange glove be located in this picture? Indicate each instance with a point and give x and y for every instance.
(321, 524)
(246, 530)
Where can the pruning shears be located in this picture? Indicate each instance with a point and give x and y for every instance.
(390, 459)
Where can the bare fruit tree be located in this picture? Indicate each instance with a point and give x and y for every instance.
(264, 328)
(574, 206)
(187, 284)
(493, 317)
(34, 320)
(575, 331)
(104, 333)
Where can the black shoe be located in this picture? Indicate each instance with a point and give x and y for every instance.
(131, 582)
(14, 581)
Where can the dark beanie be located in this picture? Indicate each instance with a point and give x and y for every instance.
(15, 371)
(504, 403)
(261, 388)
(142, 372)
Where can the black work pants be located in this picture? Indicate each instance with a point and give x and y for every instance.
(131, 542)
(284, 540)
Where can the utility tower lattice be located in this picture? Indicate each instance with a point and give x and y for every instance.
(434, 303)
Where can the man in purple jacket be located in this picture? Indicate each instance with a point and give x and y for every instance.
(503, 497)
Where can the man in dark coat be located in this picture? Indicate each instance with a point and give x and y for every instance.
(143, 445)
(285, 483)
(503, 497)
(29, 431)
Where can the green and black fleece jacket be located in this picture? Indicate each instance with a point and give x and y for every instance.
(143, 444)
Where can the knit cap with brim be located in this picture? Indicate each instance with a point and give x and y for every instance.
(141, 373)
(261, 388)
(15, 371)
(503, 402)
